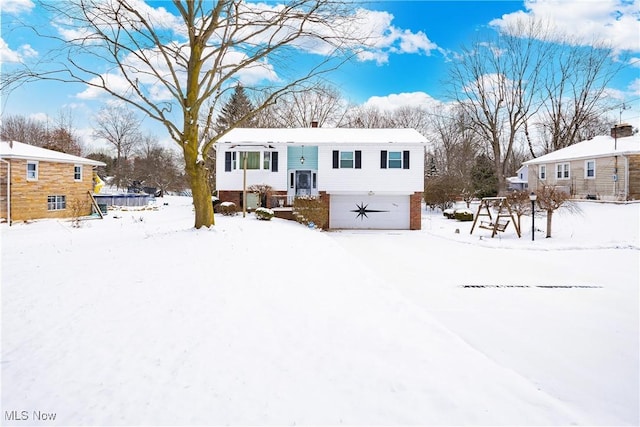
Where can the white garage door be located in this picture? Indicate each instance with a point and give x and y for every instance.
(369, 211)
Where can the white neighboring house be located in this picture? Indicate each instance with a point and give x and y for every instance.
(520, 181)
(605, 167)
(368, 178)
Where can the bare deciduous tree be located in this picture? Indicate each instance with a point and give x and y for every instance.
(550, 199)
(61, 137)
(497, 82)
(322, 104)
(574, 89)
(157, 166)
(120, 128)
(170, 66)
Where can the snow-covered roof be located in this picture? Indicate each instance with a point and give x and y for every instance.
(322, 136)
(19, 150)
(600, 146)
(516, 180)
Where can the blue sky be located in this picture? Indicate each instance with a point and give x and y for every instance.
(422, 36)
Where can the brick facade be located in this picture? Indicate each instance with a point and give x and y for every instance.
(415, 211)
(29, 198)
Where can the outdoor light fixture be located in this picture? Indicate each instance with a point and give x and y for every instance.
(533, 199)
(302, 157)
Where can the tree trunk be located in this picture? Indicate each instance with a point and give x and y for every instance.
(549, 215)
(198, 180)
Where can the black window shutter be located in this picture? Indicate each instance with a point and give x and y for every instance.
(358, 159)
(274, 161)
(227, 161)
(405, 160)
(336, 158)
(383, 159)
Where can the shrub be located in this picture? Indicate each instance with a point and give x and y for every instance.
(264, 214)
(78, 209)
(464, 215)
(227, 208)
(310, 209)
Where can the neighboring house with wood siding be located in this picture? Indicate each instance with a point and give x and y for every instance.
(368, 178)
(605, 167)
(39, 183)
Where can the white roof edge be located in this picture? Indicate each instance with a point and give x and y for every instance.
(323, 136)
(22, 151)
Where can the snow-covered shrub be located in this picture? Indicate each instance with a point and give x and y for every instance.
(264, 214)
(228, 208)
(463, 215)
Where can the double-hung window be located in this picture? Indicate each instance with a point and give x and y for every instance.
(347, 159)
(32, 171)
(590, 169)
(77, 173)
(394, 159)
(542, 172)
(562, 171)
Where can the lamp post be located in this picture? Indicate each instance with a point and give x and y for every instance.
(533, 198)
(244, 184)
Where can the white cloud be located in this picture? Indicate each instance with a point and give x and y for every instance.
(7, 55)
(40, 117)
(16, 6)
(384, 38)
(115, 82)
(587, 21)
(634, 87)
(394, 101)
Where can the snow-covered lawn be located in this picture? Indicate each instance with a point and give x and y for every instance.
(141, 320)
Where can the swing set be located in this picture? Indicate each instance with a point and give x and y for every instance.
(503, 216)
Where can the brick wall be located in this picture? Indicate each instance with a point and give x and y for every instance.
(415, 211)
(29, 198)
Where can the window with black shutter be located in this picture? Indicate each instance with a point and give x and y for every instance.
(383, 159)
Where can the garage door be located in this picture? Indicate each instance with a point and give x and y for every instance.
(365, 211)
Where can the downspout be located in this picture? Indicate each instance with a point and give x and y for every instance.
(626, 177)
(8, 190)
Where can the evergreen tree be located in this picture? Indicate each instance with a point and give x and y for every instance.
(483, 177)
(238, 107)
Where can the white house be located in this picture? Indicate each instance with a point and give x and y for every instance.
(520, 181)
(369, 178)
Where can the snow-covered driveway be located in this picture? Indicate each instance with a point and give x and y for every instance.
(140, 320)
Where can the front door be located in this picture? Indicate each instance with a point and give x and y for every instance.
(303, 183)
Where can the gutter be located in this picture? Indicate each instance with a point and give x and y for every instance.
(8, 190)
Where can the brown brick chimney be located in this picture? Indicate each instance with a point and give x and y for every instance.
(314, 123)
(621, 130)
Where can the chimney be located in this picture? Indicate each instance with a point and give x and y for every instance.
(314, 123)
(622, 130)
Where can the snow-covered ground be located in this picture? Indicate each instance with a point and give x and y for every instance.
(138, 319)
